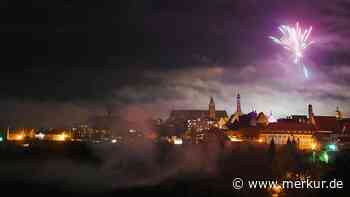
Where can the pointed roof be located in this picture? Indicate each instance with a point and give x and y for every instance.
(194, 114)
(240, 121)
(235, 117)
(211, 100)
(289, 126)
(327, 123)
(262, 118)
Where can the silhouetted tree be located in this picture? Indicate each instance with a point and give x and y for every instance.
(272, 151)
(290, 158)
(272, 161)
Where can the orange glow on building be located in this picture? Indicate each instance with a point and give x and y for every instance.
(234, 138)
(175, 140)
(19, 137)
(178, 141)
(314, 146)
(305, 141)
(20, 134)
(59, 137)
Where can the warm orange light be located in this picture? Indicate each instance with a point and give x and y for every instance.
(313, 146)
(175, 140)
(19, 137)
(178, 141)
(63, 136)
(60, 137)
(277, 188)
(234, 139)
(260, 140)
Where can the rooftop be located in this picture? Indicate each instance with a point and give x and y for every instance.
(194, 114)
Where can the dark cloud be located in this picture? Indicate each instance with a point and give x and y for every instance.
(171, 54)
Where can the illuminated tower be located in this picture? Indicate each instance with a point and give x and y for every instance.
(238, 101)
(338, 114)
(311, 115)
(235, 116)
(212, 112)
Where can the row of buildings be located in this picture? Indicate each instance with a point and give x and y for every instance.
(81, 133)
(103, 128)
(309, 131)
(199, 126)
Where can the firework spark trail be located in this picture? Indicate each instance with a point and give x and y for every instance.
(296, 40)
(306, 72)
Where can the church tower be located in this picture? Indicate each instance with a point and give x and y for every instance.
(212, 112)
(339, 114)
(311, 115)
(238, 101)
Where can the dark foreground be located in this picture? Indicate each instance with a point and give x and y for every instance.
(149, 169)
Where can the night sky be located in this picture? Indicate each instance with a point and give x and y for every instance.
(63, 61)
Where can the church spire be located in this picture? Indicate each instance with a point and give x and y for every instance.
(311, 115)
(238, 101)
(211, 101)
(339, 114)
(212, 111)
